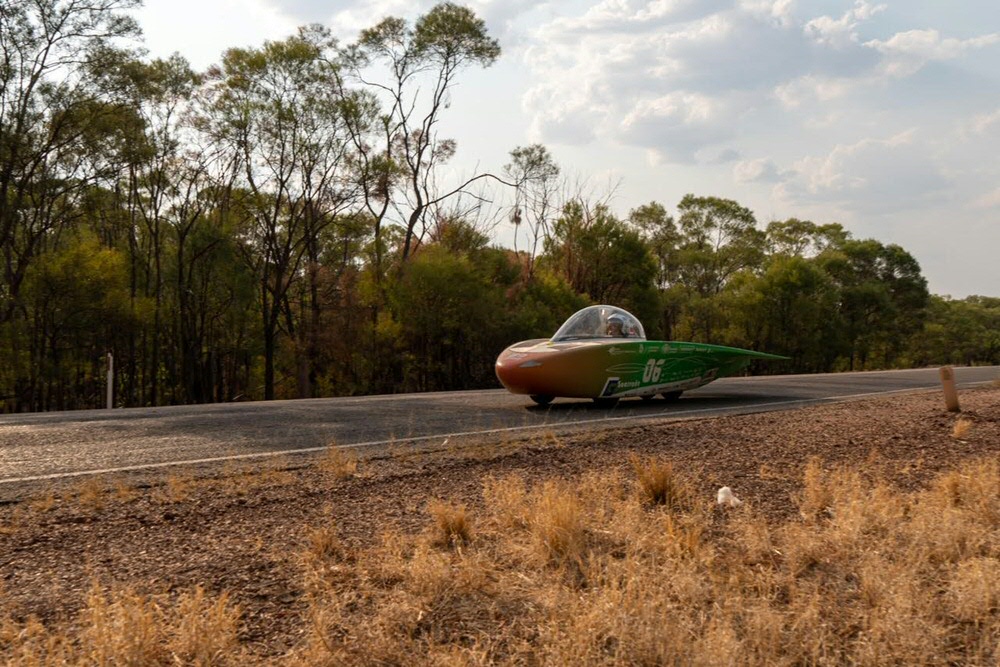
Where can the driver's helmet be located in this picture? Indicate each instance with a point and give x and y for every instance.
(616, 326)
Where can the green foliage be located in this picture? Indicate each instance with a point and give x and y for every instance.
(451, 34)
(272, 228)
(80, 306)
(602, 258)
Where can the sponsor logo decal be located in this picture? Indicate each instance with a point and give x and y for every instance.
(609, 387)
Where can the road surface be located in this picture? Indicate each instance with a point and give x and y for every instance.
(56, 445)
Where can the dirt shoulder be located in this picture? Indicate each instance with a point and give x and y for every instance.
(241, 529)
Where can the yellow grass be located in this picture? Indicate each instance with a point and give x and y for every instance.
(962, 428)
(177, 489)
(122, 627)
(338, 462)
(90, 493)
(451, 523)
(588, 571)
(43, 503)
(659, 484)
(861, 574)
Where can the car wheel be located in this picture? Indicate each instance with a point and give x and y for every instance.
(604, 402)
(541, 399)
(671, 396)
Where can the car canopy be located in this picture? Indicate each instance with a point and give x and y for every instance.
(592, 322)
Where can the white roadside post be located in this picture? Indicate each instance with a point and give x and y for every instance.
(111, 380)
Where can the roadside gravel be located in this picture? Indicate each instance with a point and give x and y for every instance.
(242, 529)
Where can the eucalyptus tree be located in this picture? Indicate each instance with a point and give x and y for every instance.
(802, 238)
(719, 239)
(56, 123)
(602, 257)
(442, 42)
(883, 297)
(154, 166)
(659, 231)
(535, 175)
(279, 109)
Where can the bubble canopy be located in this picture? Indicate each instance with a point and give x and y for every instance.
(598, 322)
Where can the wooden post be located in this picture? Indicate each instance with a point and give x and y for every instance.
(950, 393)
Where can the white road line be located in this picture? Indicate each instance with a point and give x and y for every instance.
(690, 414)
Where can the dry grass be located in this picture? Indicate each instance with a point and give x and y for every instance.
(177, 489)
(122, 627)
(962, 428)
(610, 569)
(44, 502)
(125, 493)
(90, 493)
(659, 484)
(340, 463)
(451, 523)
(868, 575)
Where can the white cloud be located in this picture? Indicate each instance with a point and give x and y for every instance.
(761, 170)
(677, 125)
(905, 53)
(988, 200)
(641, 76)
(842, 32)
(812, 88)
(987, 122)
(870, 176)
(220, 25)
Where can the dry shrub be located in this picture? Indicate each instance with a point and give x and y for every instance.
(962, 428)
(45, 502)
(177, 489)
(125, 493)
(122, 627)
(826, 494)
(204, 629)
(557, 524)
(323, 543)
(659, 484)
(451, 523)
(505, 498)
(338, 462)
(90, 493)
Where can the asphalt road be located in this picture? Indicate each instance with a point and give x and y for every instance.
(50, 446)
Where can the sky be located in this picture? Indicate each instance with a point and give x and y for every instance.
(882, 116)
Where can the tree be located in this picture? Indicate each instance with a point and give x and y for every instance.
(719, 238)
(535, 175)
(603, 258)
(80, 308)
(442, 42)
(55, 120)
(882, 298)
(278, 108)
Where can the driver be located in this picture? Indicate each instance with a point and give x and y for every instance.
(616, 326)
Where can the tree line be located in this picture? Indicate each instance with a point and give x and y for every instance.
(278, 226)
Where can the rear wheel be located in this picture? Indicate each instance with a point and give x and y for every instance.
(671, 396)
(605, 402)
(541, 399)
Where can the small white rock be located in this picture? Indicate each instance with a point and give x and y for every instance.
(727, 497)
